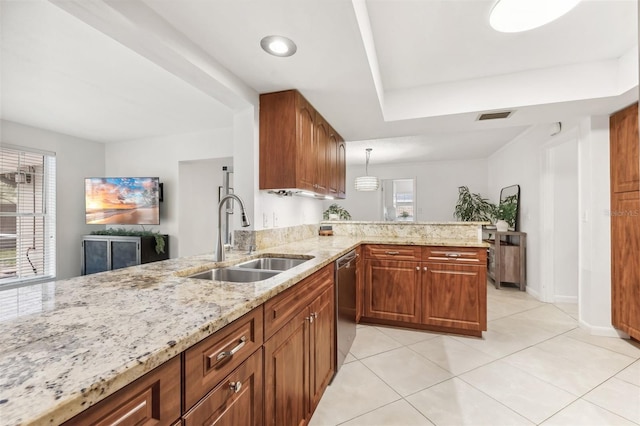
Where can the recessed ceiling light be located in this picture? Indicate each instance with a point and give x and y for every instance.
(278, 46)
(512, 16)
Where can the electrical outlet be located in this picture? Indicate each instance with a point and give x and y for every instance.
(275, 220)
(265, 220)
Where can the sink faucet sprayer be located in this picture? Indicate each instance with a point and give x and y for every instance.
(245, 222)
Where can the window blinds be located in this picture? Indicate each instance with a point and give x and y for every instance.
(27, 215)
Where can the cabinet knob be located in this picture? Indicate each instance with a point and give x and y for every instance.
(424, 268)
(235, 386)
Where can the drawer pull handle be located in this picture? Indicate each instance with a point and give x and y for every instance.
(453, 255)
(225, 354)
(235, 386)
(392, 253)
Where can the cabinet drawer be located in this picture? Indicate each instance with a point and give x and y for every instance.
(392, 252)
(152, 399)
(462, 255)
(280, 309)
(237, 400)
(209, 361)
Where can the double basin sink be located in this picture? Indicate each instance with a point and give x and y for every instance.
(251, 270)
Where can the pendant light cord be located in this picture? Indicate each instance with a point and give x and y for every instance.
(366, 166)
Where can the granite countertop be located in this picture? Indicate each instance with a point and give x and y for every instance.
(68, 344)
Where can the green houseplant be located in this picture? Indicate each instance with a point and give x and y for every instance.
(507, 210)
(337, 210)
(132, 233)
(473, 207)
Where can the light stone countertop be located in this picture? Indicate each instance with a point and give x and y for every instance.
(69, 344)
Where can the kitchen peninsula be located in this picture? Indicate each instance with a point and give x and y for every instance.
(93, 335)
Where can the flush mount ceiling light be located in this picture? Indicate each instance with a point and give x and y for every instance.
(367, 183)
(278, 46)
(512, 16)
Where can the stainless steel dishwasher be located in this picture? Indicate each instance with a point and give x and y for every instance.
(345, 305)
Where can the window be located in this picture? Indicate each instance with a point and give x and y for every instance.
(398, 200)
(27, 215)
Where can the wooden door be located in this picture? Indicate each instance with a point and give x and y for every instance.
(286, 372)
(625, 262)
(306, 145)
(454, 296)
(359, 284)
(392, 290)
(322, 345)
(236, 401)
(342, 169)
(625, 152)
(322, 150)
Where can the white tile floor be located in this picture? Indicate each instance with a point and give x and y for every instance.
(533, 366)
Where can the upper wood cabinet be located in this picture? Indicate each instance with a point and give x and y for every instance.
(298, 147)
(625, 155)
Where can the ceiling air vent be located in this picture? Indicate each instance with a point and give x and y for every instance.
(494, 115)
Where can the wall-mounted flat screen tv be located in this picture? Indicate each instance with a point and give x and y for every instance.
(122, 201)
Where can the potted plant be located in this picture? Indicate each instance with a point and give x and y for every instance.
(507, 211)
(335, 212)
(473, 207)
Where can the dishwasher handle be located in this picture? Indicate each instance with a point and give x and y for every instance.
(346, 259)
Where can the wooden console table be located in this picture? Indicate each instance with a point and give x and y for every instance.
(506, 261)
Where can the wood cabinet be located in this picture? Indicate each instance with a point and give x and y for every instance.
(298, 147)
(299, 354)
(153, 399)
(237, 400)
(207, 363)
(342, 168)
(507, 258)
(625, 221)
(438, 288)
(107, 252)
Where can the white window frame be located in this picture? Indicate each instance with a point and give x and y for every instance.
(45, 238)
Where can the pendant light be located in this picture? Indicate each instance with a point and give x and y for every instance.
(366, 182)
(512, 16)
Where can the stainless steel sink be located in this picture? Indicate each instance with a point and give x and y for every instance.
(235, 275)
(272, 263)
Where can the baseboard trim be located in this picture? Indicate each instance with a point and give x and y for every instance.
(565, 299)
(533, 293)
(603, 331)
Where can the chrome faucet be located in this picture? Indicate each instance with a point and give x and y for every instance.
(245, 222)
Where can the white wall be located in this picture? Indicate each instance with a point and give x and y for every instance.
(436, 187)
(595, 227)
(76, 159)
(160, 157)
(198, 229)
(564, 168)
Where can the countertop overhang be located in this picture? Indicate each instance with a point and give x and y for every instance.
(90, 336)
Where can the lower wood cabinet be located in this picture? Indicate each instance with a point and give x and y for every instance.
(153, 399)
(454, 296)
(299, 356)
(392, 290)
(236, 401)
(437, 288)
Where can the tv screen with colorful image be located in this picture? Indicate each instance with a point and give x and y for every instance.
(122, 201)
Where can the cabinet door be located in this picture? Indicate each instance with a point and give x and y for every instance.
(342, 169)
(124, 253)
(322, 345)
(306, 145)
(625, 167)
(454, 296)
(236, 401)
(625, 262)
(322, 154)
(153, 399)
(332, 160)
(392, 290)
(95, 256)
(286, 372)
